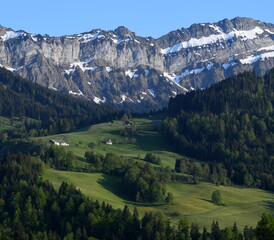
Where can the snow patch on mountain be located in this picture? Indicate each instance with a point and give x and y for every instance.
(249, 34)
(34, 38)
(199, 42)
(82, 65)
(216, 28)
(127, 39)
(11, 69)
(11, 34)
(267, 30)
(84, 38)
(124, 97)
(228, 65)
(79, 93)
(116, 41)
(269, 48)
(99, 100)
(131, 74)
(151, 91)
(254, 58)
(108, 69)
(52, 88)
(177, 78)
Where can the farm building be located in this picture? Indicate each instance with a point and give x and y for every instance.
(109, 142)
(59, 142)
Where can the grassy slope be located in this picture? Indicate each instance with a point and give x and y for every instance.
(244, 206)
(147, 141)
(7, 124)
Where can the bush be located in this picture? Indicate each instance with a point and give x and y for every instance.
(151, 158)
(216, 197)
(91, 145)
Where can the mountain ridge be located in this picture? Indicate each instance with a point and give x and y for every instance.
(121, 68)
(235, 19)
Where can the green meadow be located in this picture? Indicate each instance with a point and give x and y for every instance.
(147, 141)
(7, 124)
(242, 205)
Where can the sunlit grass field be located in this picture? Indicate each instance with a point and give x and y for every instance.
(242, 205)
(147, 141)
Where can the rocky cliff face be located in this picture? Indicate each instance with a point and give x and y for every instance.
(121, 68)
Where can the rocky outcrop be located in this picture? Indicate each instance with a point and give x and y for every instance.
(121, 68)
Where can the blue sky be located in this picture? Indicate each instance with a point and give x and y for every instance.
(144, 17)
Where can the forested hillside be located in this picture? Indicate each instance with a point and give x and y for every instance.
(54, 111)
(32, 209)
(230, 127)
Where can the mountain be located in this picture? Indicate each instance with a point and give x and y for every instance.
(139, 73)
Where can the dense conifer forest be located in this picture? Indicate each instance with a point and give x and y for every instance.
(229, 128)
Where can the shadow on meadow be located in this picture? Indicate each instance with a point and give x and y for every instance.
(269, 205)
(114, 185)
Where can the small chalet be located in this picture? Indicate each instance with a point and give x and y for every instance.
(59, 142)
(109, 142)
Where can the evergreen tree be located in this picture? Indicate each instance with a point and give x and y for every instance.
(216, 197)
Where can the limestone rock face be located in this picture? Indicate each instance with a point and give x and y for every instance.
(140, 73)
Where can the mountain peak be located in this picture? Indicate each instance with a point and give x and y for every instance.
(121, 30)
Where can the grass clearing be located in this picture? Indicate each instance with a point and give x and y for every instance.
(7, 124)
(147, 141)
(243, 205)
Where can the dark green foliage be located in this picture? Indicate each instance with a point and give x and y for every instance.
(189, 166)
(265, 228)
(110, 163)
(229, 126)
(57, 157)
(169, 198)
(92, 145)
(216, 197)
(194, 232)
(183, 229)
(54, 111)
(151, 158)
(144, 184)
